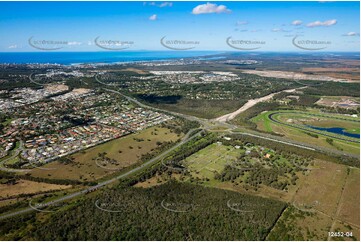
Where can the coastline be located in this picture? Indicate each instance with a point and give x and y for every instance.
(101, 57)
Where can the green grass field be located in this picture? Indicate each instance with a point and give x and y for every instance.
(216, 159)
(263, 121)
(213, 158)
(323, 187)
(87, 166)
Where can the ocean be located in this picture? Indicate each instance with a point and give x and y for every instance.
(68, 58)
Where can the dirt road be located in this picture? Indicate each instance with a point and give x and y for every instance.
(250, 104)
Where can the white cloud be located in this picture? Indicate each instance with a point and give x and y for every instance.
(241, 23)
(161, 5)
(351, 34)
(210, 8)
(153, 17)
(296, 22)
(13, 47)
(165, 4)
(325, 23)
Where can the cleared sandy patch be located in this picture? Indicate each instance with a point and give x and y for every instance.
(294, 76)
(56, 87)
(250, 104)
(28, 187)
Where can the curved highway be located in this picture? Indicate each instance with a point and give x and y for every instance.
(3, 168)
(185, 139)
(206, 124)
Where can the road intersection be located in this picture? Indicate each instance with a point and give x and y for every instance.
(205, 125)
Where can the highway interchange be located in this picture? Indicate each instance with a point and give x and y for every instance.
(205, 125)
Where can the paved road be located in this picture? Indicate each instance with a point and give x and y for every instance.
(279, 141)
(130, 99)
(18, 150)
(206, 124)
(287, 141)
(185, 139)
(32, 80)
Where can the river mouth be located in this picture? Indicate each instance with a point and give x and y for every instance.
(336, 130)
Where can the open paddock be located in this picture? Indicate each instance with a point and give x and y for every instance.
(99, 161)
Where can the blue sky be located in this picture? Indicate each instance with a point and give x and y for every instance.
(206, 24)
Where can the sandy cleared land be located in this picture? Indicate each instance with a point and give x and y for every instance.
(56, 87)
(348, 73)
(79, 91)
(296, 76)
(339, 101)
(28, 187)
(250, 104)
(138, 71)
(333, 69)
(130, 69)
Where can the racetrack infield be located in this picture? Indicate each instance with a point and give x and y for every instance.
(333, 131)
